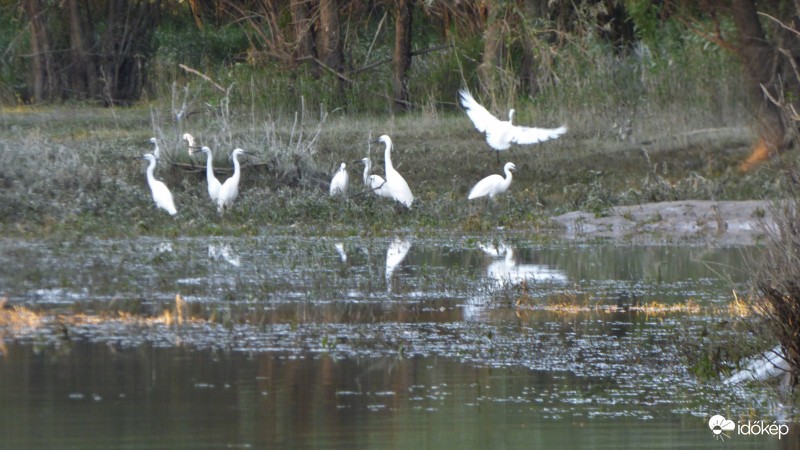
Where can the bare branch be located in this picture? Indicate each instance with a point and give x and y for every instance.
(205, 77)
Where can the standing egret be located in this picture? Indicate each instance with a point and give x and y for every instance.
(396, 186)
(501, 134)
(493, 184)
(190, 141)
(230, 189)
(156, 150)
(161, 194)
(375, 183)
(213, 183)
(339, 182)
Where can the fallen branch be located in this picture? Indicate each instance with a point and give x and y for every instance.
(205, 77)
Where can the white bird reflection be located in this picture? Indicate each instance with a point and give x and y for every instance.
(396, 253)
(223, 252)
(164, 247)
(505, 269)
(340, 250)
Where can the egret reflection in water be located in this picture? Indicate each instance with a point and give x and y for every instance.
(225, 253)
(396, 253)
(164, 247)
(340, 250)
(505, 269)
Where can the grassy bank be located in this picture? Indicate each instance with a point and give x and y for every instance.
(70, 170)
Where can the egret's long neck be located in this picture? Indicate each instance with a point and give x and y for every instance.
(387, 156)
(511, 116)
(507, 180)
(209, 168)
(150, 168)
(235, 167)
(367, 167)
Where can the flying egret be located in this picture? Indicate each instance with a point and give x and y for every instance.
(161, 194)
(213, 183)
(493, 184)
(230, 188)
(156, 150)
(375, 183)
(339, 181)
(501, 134)
(191, 142)
(396, 186)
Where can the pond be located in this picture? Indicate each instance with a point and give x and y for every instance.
(291, 342)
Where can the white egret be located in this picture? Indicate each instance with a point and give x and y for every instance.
(339, 181)
(493, 184)
(190, 141)
(230, 189)
(213, 183)
(396, 186)
(375, 183)
(501, 134)
(770, 364)
(156, 150)
(161, 194)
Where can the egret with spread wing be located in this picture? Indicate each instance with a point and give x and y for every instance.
(501, 134)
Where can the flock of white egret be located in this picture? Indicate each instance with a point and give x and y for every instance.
(499, 135)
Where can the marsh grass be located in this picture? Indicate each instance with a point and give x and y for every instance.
(74, 170)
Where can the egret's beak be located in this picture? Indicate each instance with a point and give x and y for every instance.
(193, 150)
(357, 161)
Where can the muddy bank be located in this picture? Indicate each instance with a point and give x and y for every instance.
(740, 222)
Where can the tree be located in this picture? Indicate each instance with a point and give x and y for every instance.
(402, 53)
(86, 49)
(769, 51)
(329, 44)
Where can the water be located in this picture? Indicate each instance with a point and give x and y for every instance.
(362, 343)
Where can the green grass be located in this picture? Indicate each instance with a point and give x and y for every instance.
(74, 172)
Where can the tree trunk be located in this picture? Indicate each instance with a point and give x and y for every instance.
(82, 71)
(488, 70)
(402, 53)
(303, 33)
(760, 59)
(43, 71)
(197, 15)
(330, 45)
